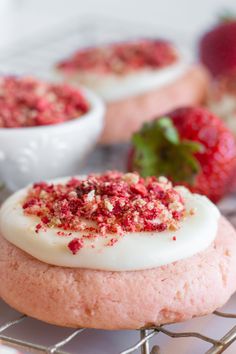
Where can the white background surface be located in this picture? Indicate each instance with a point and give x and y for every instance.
(26, 19)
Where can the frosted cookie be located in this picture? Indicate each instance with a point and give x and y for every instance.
(114, 251)
(138, 80)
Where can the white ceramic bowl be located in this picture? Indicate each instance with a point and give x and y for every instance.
(38, 153)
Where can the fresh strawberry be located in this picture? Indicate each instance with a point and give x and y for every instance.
(191, 146)
(217, 48)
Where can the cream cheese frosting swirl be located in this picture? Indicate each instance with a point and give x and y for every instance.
(122, 70)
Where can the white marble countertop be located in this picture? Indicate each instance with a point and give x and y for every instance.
(22, 19)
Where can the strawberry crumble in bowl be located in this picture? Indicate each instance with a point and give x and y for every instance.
(114, 251)
(137, 79)
(46, 129)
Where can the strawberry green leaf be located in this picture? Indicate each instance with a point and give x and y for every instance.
(227, 16)
(158, 150)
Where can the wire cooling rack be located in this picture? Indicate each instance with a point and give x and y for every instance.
(37, 57)
(217, 345)
(109, 158)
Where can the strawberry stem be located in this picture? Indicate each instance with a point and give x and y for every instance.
(227, 16)
(158, 150)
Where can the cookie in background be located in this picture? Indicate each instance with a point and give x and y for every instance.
(138, 80)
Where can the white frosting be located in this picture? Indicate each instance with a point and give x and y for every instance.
(113, 87)
(134, 251)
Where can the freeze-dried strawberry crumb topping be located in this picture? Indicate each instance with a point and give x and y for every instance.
(121, 58)
(75, 245)
(104, 204)
(26, 102)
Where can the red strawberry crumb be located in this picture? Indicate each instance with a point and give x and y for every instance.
(90, 236)
(29, 204)
(75, 245)
(121, 58)
(174, 238)
(27, 102)
(139, 189)
(45, 219)
(111, 242)
(62, 233)
(110, 203)
(38, 227)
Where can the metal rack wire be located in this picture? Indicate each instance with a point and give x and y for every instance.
(143, 344)
(217, 345)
